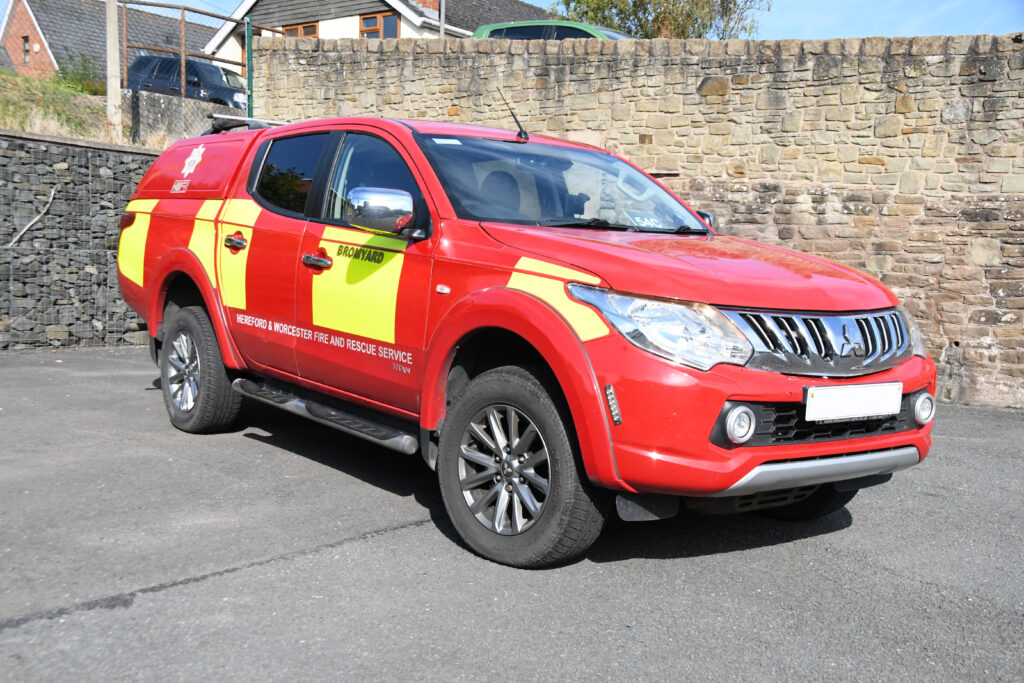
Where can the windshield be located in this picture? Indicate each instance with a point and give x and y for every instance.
(214, 75)
(234, 80)
(539, 184)
(614, 35)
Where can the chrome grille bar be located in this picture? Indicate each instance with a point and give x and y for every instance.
(824, 345)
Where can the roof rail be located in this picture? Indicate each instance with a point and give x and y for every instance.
(224, 122)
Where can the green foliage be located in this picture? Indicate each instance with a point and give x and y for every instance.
(717, 19)
(84, 76)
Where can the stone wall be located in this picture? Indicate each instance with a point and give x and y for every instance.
(164, 118)
(58, 282)
(899, 156)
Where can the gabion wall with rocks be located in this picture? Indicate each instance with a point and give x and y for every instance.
(58, 282)
(901, 157)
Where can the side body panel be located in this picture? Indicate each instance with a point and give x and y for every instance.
(481, 284)
(174, 232)
(257, 282)
(367, 311)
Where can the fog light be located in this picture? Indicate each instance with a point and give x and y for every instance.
(739, 425)
(924, 409)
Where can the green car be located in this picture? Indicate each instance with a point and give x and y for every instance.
(546, 30)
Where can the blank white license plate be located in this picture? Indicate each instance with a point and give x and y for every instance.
(834, 404)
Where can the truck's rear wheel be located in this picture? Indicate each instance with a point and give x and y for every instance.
(509, 477)
(195, 385)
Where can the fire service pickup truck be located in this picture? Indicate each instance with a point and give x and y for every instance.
(557, 334)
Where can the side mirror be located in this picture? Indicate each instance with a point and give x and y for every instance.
(709, 218)
(380, 210)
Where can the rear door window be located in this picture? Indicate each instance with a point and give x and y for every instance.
(288, 170)
(563, 32)
(168, 70)
(524, 32)
(141, 68)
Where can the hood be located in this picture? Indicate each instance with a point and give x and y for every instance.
(713, 269)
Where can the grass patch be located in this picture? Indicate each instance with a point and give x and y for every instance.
(51, 107)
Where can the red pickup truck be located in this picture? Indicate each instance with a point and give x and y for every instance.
(555, 332)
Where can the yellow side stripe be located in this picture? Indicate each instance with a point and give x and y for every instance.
(131, 247)
(241, 212)
(584, 320)
(359, 294)
(364, 239)
(203, 241)
(561, 272)
(238, 215)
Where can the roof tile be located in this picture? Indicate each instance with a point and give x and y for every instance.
(77, 28)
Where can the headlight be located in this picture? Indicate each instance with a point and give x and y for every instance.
(696, 335)
(916, 341)
(241, 98)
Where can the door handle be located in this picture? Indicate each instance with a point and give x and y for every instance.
(235, 242)
(318, 260)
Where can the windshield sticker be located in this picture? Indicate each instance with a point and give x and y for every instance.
(446, 141)
(193, 160)
(633, 185)
(645, 220)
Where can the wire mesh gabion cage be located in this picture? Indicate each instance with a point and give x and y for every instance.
(58, 243)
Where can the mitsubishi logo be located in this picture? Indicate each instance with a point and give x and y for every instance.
(850, 347)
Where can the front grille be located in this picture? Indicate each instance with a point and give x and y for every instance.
(824, 345)
(784, 423)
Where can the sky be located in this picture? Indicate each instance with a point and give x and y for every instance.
(851, 18)
(837, 18)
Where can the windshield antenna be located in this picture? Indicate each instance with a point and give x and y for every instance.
(522, 134)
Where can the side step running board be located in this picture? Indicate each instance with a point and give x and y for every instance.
(356, 425)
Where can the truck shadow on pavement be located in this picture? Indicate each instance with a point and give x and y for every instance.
(401, 475)
(687, 535)
(693, 535)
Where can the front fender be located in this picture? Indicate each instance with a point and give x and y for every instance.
(546, 331)
(183, 261)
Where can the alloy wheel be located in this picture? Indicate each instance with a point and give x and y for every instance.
(504, 469)
(183, 371)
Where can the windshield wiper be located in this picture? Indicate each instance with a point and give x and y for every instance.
(597, 223)
(690, 230)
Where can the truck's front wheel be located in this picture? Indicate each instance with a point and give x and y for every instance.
(511, 482)
(195, 385)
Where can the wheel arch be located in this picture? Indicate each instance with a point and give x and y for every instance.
(528, 331)
(182, 282)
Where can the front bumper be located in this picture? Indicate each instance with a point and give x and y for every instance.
(773, 476)
(664, 443)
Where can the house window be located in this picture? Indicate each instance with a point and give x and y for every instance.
(311, 30)
(26, 49)
(380, 25)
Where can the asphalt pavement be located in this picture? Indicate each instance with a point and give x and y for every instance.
(285, 550)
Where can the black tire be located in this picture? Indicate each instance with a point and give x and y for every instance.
(571, 511)
(213, 405)
(821, 503)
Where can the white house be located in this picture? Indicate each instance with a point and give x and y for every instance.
(366, 19)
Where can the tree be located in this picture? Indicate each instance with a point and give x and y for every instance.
(720, 19)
